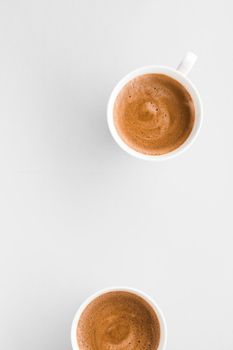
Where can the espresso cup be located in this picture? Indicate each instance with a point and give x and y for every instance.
(179, 74)
(146, 298)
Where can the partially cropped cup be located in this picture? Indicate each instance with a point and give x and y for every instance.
(178, 75)
(119, 318)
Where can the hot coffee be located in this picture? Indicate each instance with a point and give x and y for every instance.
(118, 321)
(154, 114)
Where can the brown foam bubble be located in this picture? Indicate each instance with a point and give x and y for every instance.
(118, 321)
(154, 114)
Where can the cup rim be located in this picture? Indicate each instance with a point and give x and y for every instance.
(181, 78)
(146, 297)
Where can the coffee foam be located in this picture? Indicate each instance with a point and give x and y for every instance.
(154, 114)
(118, 321)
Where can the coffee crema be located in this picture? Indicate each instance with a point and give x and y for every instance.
(118, 321)
(154, 114)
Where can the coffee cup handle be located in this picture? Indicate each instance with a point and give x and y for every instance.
(187, 63)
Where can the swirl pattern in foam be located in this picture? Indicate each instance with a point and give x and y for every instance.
(154, 114)
(118, 321)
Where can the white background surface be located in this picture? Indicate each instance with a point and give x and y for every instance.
(77, 214)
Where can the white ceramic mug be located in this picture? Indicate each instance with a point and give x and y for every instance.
(149, 300)
(179, 74)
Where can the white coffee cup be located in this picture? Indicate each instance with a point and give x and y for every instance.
(179, 74)
(149, 300)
